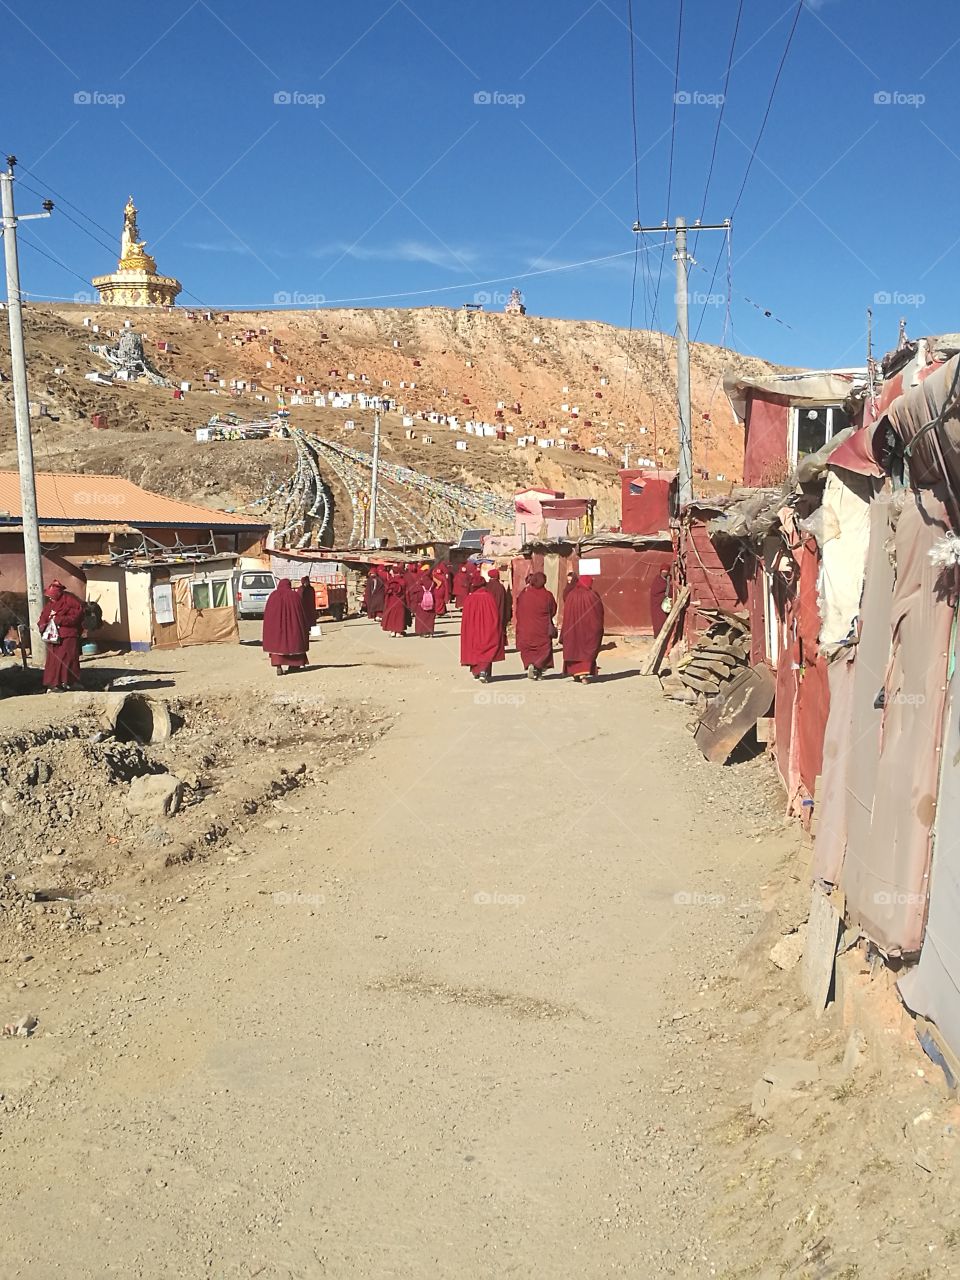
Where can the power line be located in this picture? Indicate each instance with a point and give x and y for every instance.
(723, 105)
(766, 114)
(51, 258)
(753, 153)
(636, 192)
(673, 141)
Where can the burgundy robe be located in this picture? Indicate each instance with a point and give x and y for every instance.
(460, 586)
(373, 595)
(425, 619)
(481, 634)
(535, 610)
(582, 630)
(394, 607)
(286, 635)
(308, 598)
(62, 666)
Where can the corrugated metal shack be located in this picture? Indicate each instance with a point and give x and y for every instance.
(853, 605)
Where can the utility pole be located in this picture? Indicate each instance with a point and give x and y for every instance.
(21, 407)
(683, 259)
(375, 479)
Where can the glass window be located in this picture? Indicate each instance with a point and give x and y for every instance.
(221, 596)
(258, 582)
(201, 595)
(813, 430)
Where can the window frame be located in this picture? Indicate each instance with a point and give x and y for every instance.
(793, 436)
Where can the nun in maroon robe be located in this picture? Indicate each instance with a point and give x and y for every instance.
(535, 610)
(394, 617)
(423, 603)
(62, 666)
(441, 589)
(461, 585)
(286, 635)
(658, 593)
(373, 593)
(308, 598)
(502, 597)
(481, 633)
(582, 630)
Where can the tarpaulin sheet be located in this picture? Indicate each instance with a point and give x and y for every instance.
(831, 842)
(862, 746)
(846, 506)
(932, 989)
(934, 455)
(886, 880)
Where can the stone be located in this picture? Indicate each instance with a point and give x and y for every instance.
(768, 1098)
(154, 795)
(788, 951)
(791, 1073)
(855, 1052)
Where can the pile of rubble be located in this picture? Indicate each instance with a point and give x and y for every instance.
(709, 667)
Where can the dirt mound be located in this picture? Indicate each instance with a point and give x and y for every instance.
(69, 832)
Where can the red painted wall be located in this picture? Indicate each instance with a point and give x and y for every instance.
(716, 575)
(765, 443)
(647, 511)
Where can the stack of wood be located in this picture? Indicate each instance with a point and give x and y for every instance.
(721, 653)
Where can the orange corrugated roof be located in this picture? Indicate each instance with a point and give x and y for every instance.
(70, 497)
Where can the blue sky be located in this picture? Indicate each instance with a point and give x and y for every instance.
(304, 151)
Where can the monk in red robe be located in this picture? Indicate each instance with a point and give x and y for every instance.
(461, 585)
(582, 630)
(62, 618)
(535, 611)
(502, 597)
(373, 592)
(286, 635)
(308, 598)
(423, 603)
(441, 589)
(394, 617)
(481, 633)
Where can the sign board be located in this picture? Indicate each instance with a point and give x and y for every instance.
(589, 567)
(163, 602)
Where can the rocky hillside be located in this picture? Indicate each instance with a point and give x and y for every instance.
(471, 364)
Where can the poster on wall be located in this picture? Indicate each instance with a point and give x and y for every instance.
(163, 602)
(589, 568)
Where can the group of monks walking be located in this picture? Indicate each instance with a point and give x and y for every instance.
(419, 594)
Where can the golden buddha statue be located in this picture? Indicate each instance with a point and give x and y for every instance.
(136, 283)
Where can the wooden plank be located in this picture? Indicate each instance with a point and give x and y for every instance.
(746, 698)
(655, 656)
(819, 950)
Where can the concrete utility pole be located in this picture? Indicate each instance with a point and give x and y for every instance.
(21, 405)
(375, 479)
(682, 259)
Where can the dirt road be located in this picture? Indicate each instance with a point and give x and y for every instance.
(421, 1021)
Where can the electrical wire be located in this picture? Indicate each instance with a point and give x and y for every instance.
(723, 105)
(753, 154)
(673, 142)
